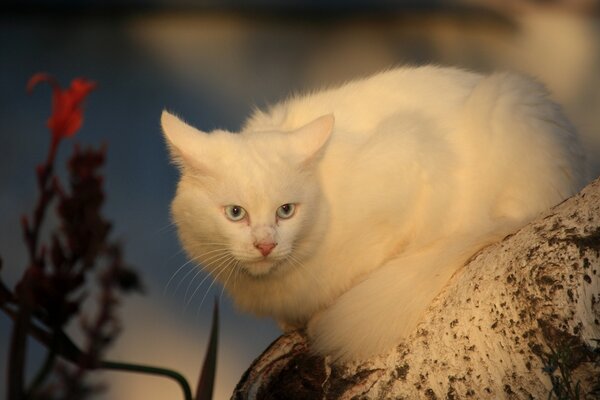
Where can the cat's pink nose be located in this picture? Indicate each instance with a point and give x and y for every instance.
(265, 248)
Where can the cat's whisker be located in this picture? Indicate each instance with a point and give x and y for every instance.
(185, 276)
(169, 226)
(215, 254)
(198, 286)
(216, 259)
(177, 272)
(190, 283)
(222, 265)
(227, 280)
(212, 259)
(310, 273)
(189, 272)
(213, 282)
(181, 250)
(199, 249)
(237, 272)
(220, 249)
(294, 262)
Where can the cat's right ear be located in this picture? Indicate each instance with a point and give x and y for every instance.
(182, 141)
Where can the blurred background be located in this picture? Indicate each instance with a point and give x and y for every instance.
(212, 62)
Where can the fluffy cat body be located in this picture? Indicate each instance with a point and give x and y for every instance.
(395, 181)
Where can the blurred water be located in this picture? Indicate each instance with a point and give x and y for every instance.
(212, 68)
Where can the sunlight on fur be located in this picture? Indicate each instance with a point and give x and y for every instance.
(346, 211)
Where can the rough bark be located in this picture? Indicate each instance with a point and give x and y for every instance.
(488, 335)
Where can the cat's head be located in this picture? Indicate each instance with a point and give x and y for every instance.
(249, 199)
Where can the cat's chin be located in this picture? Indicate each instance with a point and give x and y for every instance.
(261, 268)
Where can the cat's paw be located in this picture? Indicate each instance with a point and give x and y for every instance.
(351, 336)
(287, 327)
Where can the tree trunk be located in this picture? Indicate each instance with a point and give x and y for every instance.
(517, 322)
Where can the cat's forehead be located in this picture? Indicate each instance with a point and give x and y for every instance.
(254, 166)
(260, 152)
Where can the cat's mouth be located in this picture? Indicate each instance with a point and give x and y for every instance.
(262, 266)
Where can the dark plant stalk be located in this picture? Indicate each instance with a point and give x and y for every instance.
(44, 172)
(46, 367)
(18, 348)
(204, 390)
(145, 369)
(66, 349)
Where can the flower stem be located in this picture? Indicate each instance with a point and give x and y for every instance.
(18, 347)
(144, 369)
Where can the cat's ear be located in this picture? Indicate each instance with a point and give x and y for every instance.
(182, 141)
(309, 141)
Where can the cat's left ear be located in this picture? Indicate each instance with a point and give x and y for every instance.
(309, 141)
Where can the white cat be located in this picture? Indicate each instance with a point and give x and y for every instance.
(347, 210)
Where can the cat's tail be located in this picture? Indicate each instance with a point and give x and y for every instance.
(387, 306)
(529, 156)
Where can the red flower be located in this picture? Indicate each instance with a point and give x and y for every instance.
(67, 112)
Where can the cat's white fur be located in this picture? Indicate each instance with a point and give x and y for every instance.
(398, 179)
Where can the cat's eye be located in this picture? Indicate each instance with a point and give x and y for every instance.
(286, 211)
(235, 213)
